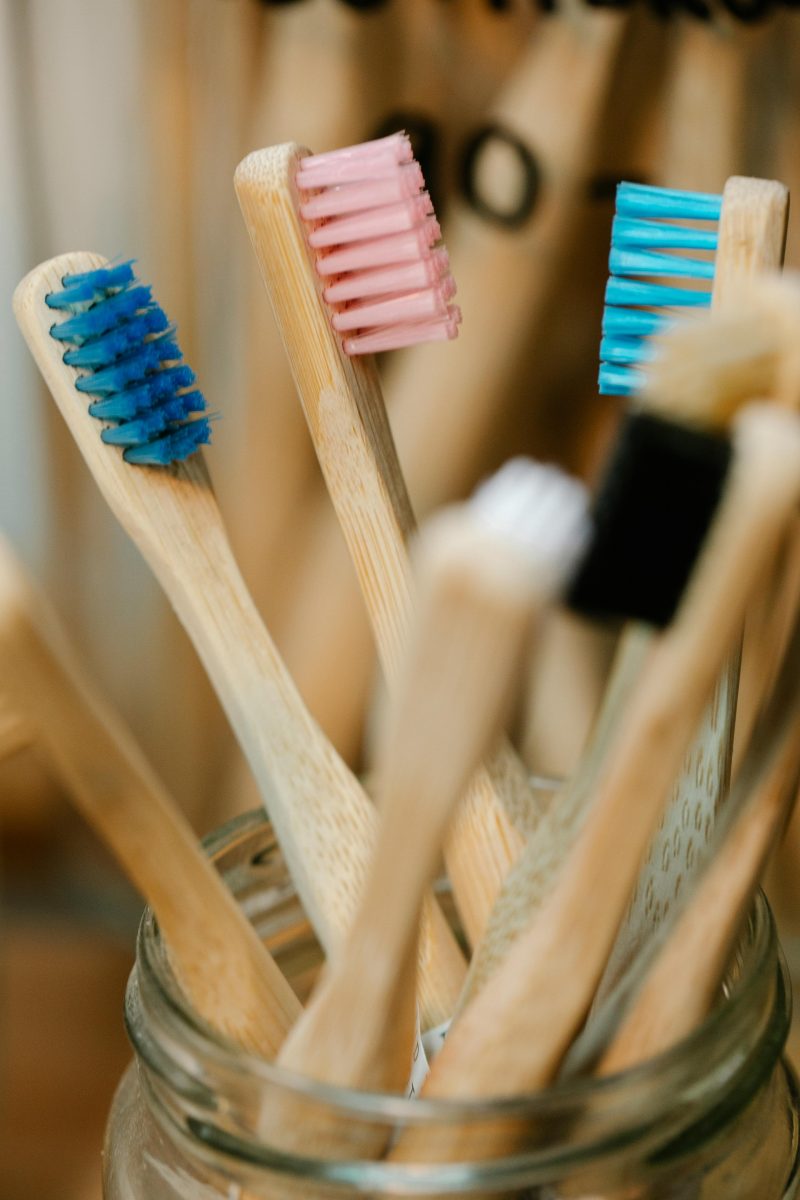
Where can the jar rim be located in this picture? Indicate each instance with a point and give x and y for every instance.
(174, 1043)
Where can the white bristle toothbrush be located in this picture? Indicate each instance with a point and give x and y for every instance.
(223, 969)
(333, 233)
(512, 1037)
(484, 570)
(322, 818)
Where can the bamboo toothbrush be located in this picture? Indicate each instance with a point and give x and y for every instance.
(275, 491)
(222, 967)
(715, 363)
(745, 230)
(345, 411)
(484, 570)
(683, 982)
(750, 234)
(512, 1037)
(322, 818)
(449, 397)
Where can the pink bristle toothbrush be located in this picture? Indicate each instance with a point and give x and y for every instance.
(320, 264)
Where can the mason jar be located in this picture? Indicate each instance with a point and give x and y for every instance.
(715, 1118)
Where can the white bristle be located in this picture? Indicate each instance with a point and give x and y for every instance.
(543, 511)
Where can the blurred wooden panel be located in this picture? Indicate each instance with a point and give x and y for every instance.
(62, 1049)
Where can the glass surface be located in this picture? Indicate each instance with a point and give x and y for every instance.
(713, 1119)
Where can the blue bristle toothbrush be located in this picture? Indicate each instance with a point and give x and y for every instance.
(658, 234)
(323, 819)
(123, 343)
(643, 232)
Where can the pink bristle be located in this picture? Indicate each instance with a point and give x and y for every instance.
(373, 223)
(401, 184)
(376, 231)
(394, 310)
(397, 248)
(395, 337)
(384, 281)
(396, 143)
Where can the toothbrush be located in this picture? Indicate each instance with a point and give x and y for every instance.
(448, 397)
(750, 232)
(775, 302)
(322, 818)
(745, 230)
(223, 969)
(684, 980)
(512, 1037)
(275, 489)
(326, 331)
(484, 570)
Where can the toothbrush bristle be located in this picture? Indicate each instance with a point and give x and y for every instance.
(368, 216)
(123, 341)
(543, 511)
(650, 242)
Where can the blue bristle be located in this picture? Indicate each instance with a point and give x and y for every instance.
(172, 447)
(135, 400)
(624, 351)
(630, 232)
(154, 422)
(642, 200)
(146, 358)
(124, 342)
(104, 279)
(619, 381)
(103, 316)
(633, 322)
(644, 228)
(90, 286)
(654, 295)
(96, 352)
(622, 261)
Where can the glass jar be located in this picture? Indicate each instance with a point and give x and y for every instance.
(716, 1118)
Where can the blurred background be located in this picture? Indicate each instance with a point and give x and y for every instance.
(121, 124)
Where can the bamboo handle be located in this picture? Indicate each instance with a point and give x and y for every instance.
(346, 415)
(224, 970)
(322, 818)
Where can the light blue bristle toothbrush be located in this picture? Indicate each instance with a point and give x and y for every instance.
(643, 233)
(657, 235)
(705, 245)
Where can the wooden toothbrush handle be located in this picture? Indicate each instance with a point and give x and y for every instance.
(683, 983)
(323, 819)
(231, 980)
(344, 407)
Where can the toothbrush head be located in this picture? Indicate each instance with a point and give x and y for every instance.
(131, 367)
(658, 234)
(372, 226)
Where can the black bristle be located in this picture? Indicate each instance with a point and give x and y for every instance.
(651, 515)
